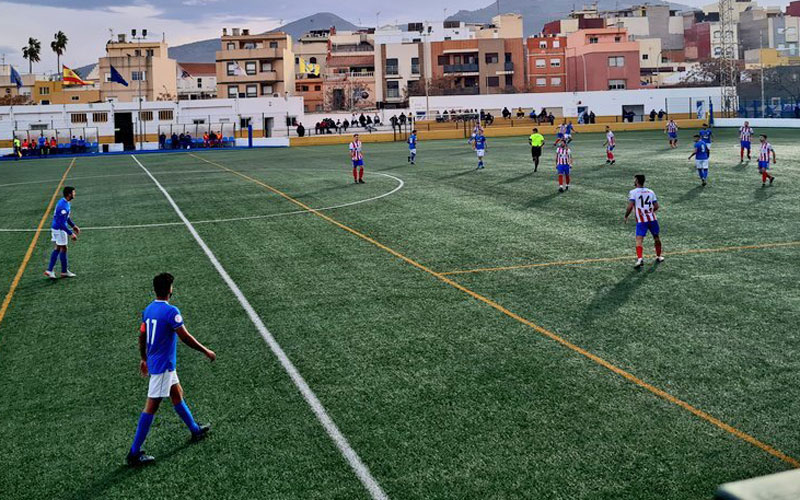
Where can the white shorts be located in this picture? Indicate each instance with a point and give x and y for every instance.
(161, 383)
(413, 151)
(480, 152)
(701, 164)
(59, 236)
(567, 136)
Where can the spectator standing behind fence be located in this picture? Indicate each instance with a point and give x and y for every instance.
(162, 141)
(42, 145)
(301, 130)
(173, 144)
(652, 115)
(73, 145)
(661, 114)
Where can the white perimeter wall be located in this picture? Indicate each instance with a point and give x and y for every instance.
(757, 123)
(604, 103)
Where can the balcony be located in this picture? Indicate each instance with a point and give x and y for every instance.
(460, 68)
(462, 91)
(252, 54)
(263, 76)
(334, 77)
(352, 48)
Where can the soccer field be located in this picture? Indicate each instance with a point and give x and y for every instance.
(470, 334)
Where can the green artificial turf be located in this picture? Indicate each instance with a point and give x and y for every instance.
(441, 395)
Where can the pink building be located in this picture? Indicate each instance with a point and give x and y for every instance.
(602, 59)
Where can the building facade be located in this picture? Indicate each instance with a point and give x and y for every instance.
(196, 81)
(349, 79)
(144, 65)
(250, 66)
(55, 92)
(547, 63)
(602, 59)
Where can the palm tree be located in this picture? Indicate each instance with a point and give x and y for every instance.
(31, 52)
(59, 46)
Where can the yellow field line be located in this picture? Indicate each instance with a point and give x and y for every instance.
(626, 257)
(597, 359)
(34, 240)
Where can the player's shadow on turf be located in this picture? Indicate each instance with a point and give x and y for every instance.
(515, 179)
(763, 193)
(100, 487)
(542, 200)
(741, 166)
(606, 304)
(459, 174)
(690, 194)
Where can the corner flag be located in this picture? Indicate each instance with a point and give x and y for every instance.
(116, 77)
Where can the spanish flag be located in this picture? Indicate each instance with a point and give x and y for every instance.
(72, 78)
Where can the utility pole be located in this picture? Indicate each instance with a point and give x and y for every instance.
(139, 91)
(727, 59)
(761, 66)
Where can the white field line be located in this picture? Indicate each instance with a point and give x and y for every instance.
(400, 185)
(49, 181)
(333, 431)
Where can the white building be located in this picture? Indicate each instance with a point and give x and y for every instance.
(197, 81)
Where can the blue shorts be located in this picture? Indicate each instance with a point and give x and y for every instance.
(673, 135)
(563, 169)
(643, 227)
(764, 165)
(560, 135)
(358, 163)
(610, 148)
(745, 144)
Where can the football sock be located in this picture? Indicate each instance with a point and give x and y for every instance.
(567, 176)
(560, 180)
(53, 259)
(763, 177)
(361, 173)
(183, 411)
(145, 419)
(62, 256)
(355, 174)
(658, 248)
(741, 154)
(639, 252)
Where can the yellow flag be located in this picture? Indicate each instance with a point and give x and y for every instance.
(72, 78)
(303, 66)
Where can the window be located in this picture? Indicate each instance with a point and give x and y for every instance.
(44, 90)
(393, 89)
(165, 115)
(616, 84)
(645, 57)
(245, 121)
(493, 81)
(233, 90)
(75, 97)
(231, 68)
(317, 87)
(509, 80)
(137, 52)
(492, 58)
(266, 66)
(100, 117)
(250, 45)
(508, 57)
(443, 60)
(78, 118)
(543, 44)
(593, 39)
(415, 65)
(541, 82)
(304, 88)
(313, 60)
(107, 78)
(616, 61)
(556, 81)
(252, 91)
(556, 44)
(555, 62)
(149, 52)
(541, 63)
(146, 116)
(139, 76)
(266, 90)
(250, 68)
(199, 83)
(198, 121)
(717, 51)
(273, 45)
(231, 46)
(617, 39)
(45, 102)
(391, 66)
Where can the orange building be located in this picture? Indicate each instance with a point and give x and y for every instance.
(255, 65)
(547, 65)
(602, 59)
(478, 66)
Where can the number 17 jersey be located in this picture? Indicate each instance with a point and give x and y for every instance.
(643, 200)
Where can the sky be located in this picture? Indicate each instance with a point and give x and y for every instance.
(87, 22)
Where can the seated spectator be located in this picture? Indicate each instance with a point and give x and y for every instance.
(73, 145)
(520, 112)
(652, 115)
(53, 146)
(187, 141)
(362, 120)
(592, 117)
(488, 119)
(42, 145)
(174, 141)
(25, 147)
(661, 114)
(369, 120)
(376, 119)
(551, 119)
(506, 113)
(345, 125)
(206, 140)
(32, 148)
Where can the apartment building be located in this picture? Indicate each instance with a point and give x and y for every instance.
(602, 59)
(197, 81)
(146, 67)
(312, 48)
(770, 29)
(55, 92)
(251, 66)
(547, 64)
(349, 79)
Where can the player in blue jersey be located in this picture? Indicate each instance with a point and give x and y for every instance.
(162, 326)
(701, 154)
(479, 145)
(412, 148)
(61, 231)
(706, 133)
(568, 131)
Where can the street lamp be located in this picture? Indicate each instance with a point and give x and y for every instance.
(139, 86)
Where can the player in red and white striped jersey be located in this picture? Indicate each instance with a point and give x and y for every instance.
(745, 134)
(609, 144)
(763, 161)
(643, 202)
(357, 157)
(672, 133)
(563, 164)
